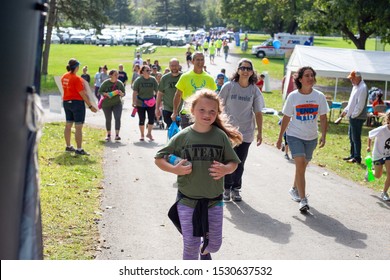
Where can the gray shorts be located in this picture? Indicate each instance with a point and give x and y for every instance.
(301, 148)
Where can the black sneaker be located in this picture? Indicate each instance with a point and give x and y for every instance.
(70, 149)
(81, 152)
(206, 257)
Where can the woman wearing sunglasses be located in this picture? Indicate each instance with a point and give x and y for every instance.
(144, 91)
(243, 103)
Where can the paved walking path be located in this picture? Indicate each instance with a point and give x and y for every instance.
(346, 220)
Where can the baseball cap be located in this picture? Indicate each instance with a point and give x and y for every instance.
(354, 74)
(220, 75)
(154, 66)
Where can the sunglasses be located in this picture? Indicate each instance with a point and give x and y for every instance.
(243, 68)
(147, 70)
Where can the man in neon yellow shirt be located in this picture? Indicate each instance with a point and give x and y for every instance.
(188, 84)
(212, 52)
(205, 47)
(218, 45)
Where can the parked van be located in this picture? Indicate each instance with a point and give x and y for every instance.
(287, 42)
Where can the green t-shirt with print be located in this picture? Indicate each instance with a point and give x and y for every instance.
(201, 149)
(190, 82)
(146, 88)
(168, 87)
(108, 86)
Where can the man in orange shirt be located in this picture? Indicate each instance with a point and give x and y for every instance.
(74, 100)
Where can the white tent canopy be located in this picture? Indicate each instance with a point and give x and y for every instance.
(338, 63)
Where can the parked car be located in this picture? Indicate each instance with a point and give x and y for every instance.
(54, 39)
(64, 37)
(104, 40)
(77, 39)
(90, 40)
(176, 39)
(158, 40)
(130, 39)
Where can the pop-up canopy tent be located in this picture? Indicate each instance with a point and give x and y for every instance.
(338, 63)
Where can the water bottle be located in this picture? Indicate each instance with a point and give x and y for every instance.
(173, 159)
(369, 175)
(134, 112)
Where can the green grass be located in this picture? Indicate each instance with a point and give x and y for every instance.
(95, 56)
(70, 191)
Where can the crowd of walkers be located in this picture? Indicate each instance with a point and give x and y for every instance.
(219, 118)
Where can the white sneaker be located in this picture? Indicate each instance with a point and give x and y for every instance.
(303, 205)
(294, 194)
(385, 196)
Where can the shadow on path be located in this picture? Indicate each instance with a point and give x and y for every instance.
(331, 227)
(247, 219)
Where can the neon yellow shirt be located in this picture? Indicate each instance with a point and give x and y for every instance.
(218, 43)
(212, 49)
(190, 82)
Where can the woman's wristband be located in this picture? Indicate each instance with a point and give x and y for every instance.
(90, 106)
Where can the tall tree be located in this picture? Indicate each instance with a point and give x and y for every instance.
(163, 12)
(212, 13)
(120, 12)
(356, 20)
(81, 13)
(266, 15)
(189, 13)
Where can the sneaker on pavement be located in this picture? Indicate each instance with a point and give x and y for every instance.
(117, 138)
(303, 205)
(108, 138)
(286, 157)
(294, 194)
(385, 196)
(226, 195)
(81, 152)
(236, 195)
(70, 149)
(205, 257)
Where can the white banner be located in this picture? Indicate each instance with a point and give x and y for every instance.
(170, 270)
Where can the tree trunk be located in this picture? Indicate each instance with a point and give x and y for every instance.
(50, 24)
(359, 41)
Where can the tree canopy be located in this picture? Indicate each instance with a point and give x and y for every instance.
(356, 20)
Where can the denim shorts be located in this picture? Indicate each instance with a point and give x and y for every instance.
(381, 161)
(301, 148)
(74, 111)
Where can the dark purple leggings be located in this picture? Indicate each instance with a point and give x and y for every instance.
(191, 249)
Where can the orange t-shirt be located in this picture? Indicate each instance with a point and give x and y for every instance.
(72, 85)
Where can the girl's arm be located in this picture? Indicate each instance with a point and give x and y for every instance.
(178, 169)
(219, 170)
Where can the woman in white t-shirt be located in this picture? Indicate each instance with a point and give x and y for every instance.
(381, 153)
(301, 111)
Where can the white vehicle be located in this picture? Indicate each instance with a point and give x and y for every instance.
(132, 39)
(285, 40)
